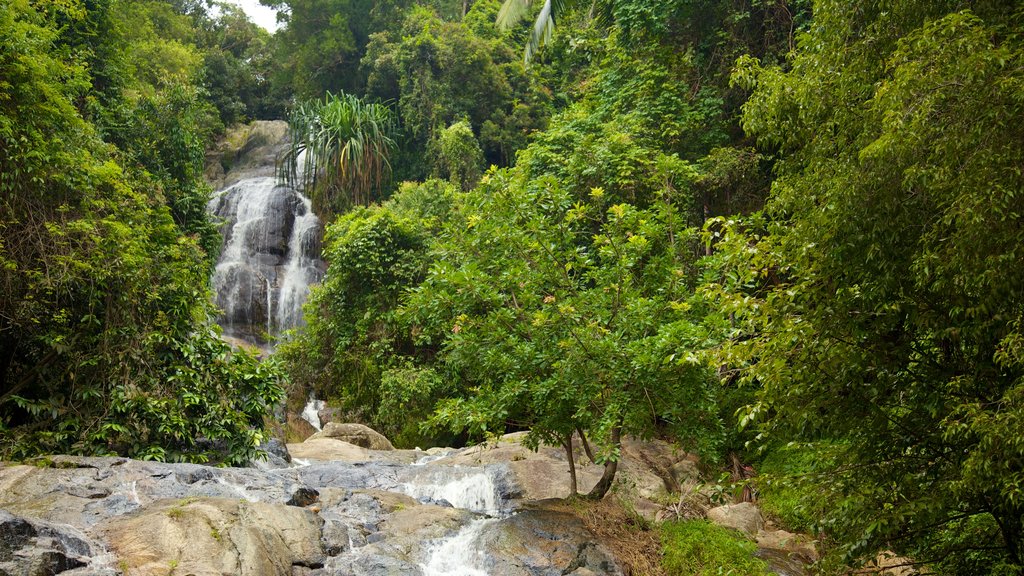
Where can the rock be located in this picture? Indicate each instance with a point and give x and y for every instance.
(330, 414)
(687, 470)
(297, 428)
(303, 497)
(274, 454)
(645, 472)
(357, 434)
(215, 536)
(246, 151)
(330, 449)
(745, 517)
(798, 546)
(890, 564)
(539, 475)
(401, 541)
(785, 552)
(544, 542)
(276, 447)
(33, 547)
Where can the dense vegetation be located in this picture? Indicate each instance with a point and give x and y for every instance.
(786, 233)
(106, 337)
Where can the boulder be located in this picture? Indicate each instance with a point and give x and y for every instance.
(297, 428)
(215, 536)
(330, 414)
(794, 551)
(329, 449)
(745, 517)
(540, 541)
(888, 563)
(357, 434)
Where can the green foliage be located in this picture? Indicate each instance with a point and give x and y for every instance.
(440, 73)
(459, 156)
(787, 485)
(345, 144)
(106, 343)
(557, 314)
(237, 67)
(700, 548)
(878, 301)
(321, 45)
(354, 350)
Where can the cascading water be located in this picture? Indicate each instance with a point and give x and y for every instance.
(459, 555)
(271, 250)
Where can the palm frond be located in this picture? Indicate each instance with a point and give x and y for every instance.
(512, 12)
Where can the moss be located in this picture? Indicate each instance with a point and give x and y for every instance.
(700, 548)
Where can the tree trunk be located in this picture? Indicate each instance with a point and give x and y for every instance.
(586, 445)
(610, 467)
(567, 444)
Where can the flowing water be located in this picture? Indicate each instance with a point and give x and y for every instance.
(311, 412)
(269, 259)
(460, 555)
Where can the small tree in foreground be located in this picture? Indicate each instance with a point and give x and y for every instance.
(562, 316)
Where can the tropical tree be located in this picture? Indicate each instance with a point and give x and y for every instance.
(107, 344)
(339, 152)
(355, 351)
(566, 317)
(513, 12)
(879, 301)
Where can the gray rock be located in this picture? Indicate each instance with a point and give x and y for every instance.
(745, 517)
(357, 434)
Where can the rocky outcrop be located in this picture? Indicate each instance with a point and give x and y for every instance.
(371, 517)
(246, 151)
(215, 536)
(357, 434)
(745, 517)
(31, 547)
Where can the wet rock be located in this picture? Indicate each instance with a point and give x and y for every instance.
(357, 434)
(745, 517)
(303, 497)
(32, 547)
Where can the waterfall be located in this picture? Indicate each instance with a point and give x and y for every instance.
(459, 555)
(270, 257)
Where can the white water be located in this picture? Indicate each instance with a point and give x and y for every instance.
(424, 460)
(311, 413)
(270, 257)
(459, 555)
(474, 491)
(300, 269)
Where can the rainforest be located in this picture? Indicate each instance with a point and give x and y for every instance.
(782, 240)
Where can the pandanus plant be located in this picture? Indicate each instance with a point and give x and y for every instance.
(339, 151)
